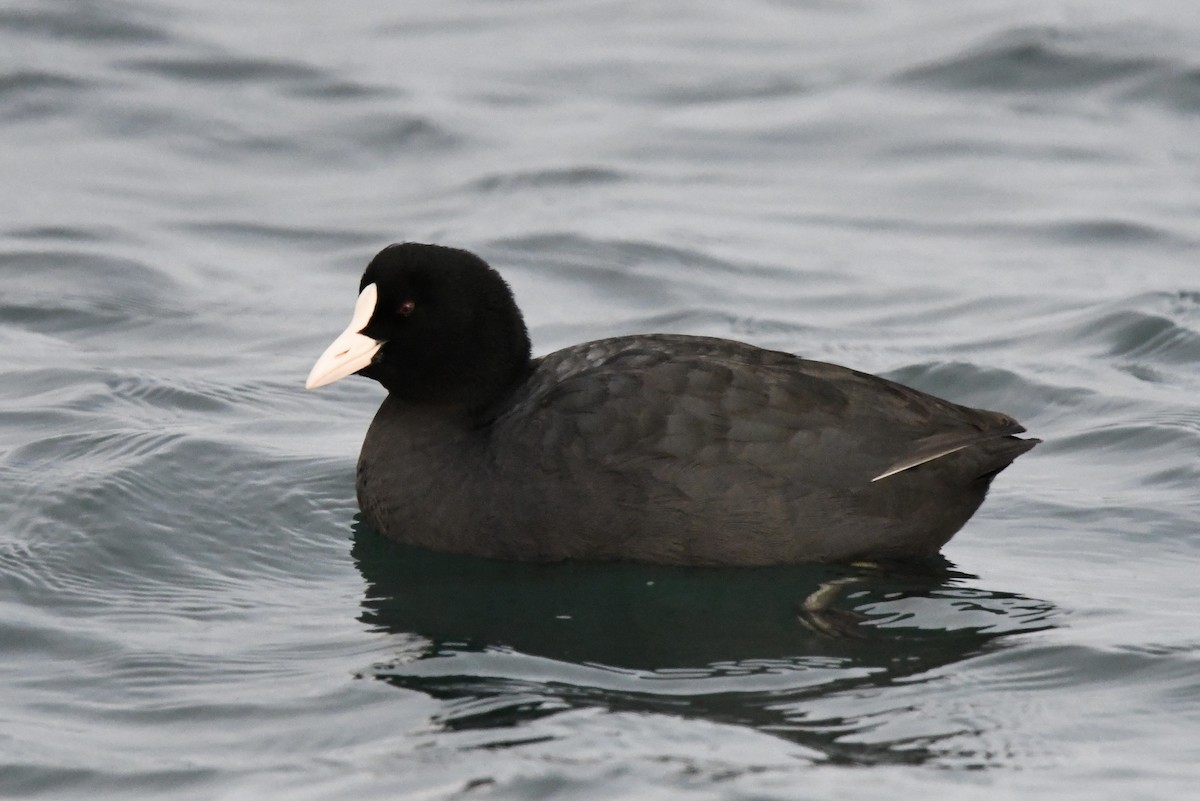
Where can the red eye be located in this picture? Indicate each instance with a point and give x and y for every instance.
(406, 308)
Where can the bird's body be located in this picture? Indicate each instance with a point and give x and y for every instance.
(655, 448)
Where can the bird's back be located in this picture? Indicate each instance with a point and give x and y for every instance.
(698, 450)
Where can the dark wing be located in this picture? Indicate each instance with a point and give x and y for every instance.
(700, 411)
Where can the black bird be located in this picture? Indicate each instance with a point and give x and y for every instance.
(654, 447)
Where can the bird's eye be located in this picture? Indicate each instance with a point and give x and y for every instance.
(406, 308)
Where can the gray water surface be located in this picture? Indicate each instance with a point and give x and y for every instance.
(999, 205)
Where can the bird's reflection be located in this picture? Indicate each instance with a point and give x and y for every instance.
(506, 642)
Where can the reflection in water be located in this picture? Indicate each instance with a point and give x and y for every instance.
(503, 642)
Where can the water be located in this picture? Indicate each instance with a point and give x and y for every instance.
(995, 204)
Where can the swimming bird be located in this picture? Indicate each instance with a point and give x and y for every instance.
(655, 448)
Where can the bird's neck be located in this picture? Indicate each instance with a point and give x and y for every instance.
(475, 398)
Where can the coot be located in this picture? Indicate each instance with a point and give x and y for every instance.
(654, 447)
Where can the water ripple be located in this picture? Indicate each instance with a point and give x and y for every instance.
(1176, 87)
(59, 291)
(1033, 59)
(547, 179)
(1158, 328)
(83, 23)
(224, 69)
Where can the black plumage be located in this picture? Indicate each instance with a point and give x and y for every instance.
(656, 448)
